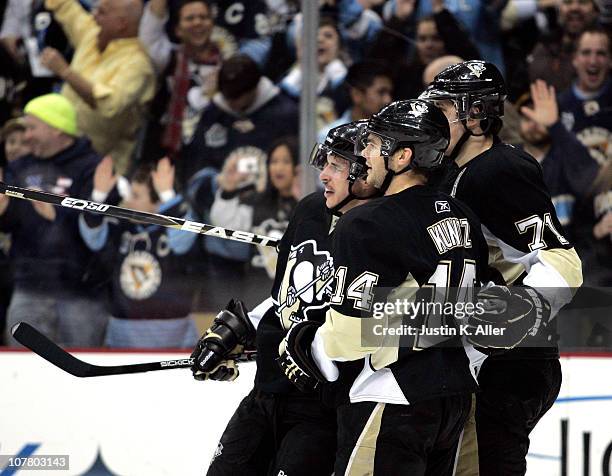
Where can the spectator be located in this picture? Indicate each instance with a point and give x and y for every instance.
(586, 107)
(27, 29)
(265, 213)
(14, 148)
(13, 138)
(13, 76)
(369, 87)
(239, 118)
(551, 58)
(50, 262)
(110, 79)
(150, 300)
(568, 168)
(188, 72)
(586, 110)
(247, 25)
(437, 34)
(332, 70)
(480, 19)
(357, 23)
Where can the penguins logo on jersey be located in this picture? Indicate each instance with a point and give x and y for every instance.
(306, 285)
(140, 275)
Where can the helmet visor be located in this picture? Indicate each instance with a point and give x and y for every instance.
(372, 144)
(318, 156)
(460, 103)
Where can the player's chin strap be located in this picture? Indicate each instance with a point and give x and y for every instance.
(392, 173)
(351, 196)
(467, 134)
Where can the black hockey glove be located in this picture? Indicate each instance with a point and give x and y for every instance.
(296, 359)
(510, 314)
(230, 333)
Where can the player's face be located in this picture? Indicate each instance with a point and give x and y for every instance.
(281, 169)
(195, 24)
(455, 126)
(140, 198)
(335, 180)
(592, 61)
(374, 161)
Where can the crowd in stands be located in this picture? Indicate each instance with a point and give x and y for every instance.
(189, 108)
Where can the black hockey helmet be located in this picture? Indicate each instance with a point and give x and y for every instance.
(414, 123)
(476, 87)
(340, 141)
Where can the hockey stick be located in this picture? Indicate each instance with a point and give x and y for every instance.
(40, 344)
(129, 214)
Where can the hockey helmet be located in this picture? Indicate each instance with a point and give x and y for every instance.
(476, 88)
(340, 141)
(414, 123)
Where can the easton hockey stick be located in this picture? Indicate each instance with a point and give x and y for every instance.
(40, 344)
(129, 214)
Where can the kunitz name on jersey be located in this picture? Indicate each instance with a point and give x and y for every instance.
(450, 233)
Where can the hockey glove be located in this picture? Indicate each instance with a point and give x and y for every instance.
(230, 333)
(296, 358)
(510, 314)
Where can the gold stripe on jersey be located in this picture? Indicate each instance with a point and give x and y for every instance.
(509, 271)
(362, 458)
(342, 336)
(567, 263)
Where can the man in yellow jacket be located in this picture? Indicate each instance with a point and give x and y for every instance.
(110, 79)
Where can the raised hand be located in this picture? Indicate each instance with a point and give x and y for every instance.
(545, 110)
(104, 177)
(53, 60)
(163, 176)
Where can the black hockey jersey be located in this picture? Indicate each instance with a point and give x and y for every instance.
(301, 287)
(504, 187)
(418, 241)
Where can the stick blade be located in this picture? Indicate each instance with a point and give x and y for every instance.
(40, 344)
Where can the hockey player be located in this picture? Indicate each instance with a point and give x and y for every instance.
(276, 429)
(503, 185)
(405, 400)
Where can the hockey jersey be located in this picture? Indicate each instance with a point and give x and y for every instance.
(148, 264)
(504, 186)
(301, 288)
(418, 241)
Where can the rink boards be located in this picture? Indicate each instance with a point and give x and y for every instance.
(165, 423)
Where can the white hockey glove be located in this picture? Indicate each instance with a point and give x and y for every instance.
(510, 315)
(296, 358)
(229, 335)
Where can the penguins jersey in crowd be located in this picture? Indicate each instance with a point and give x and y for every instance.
(301, 288)
(383, 251)
(504, 187)
(148, 263)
